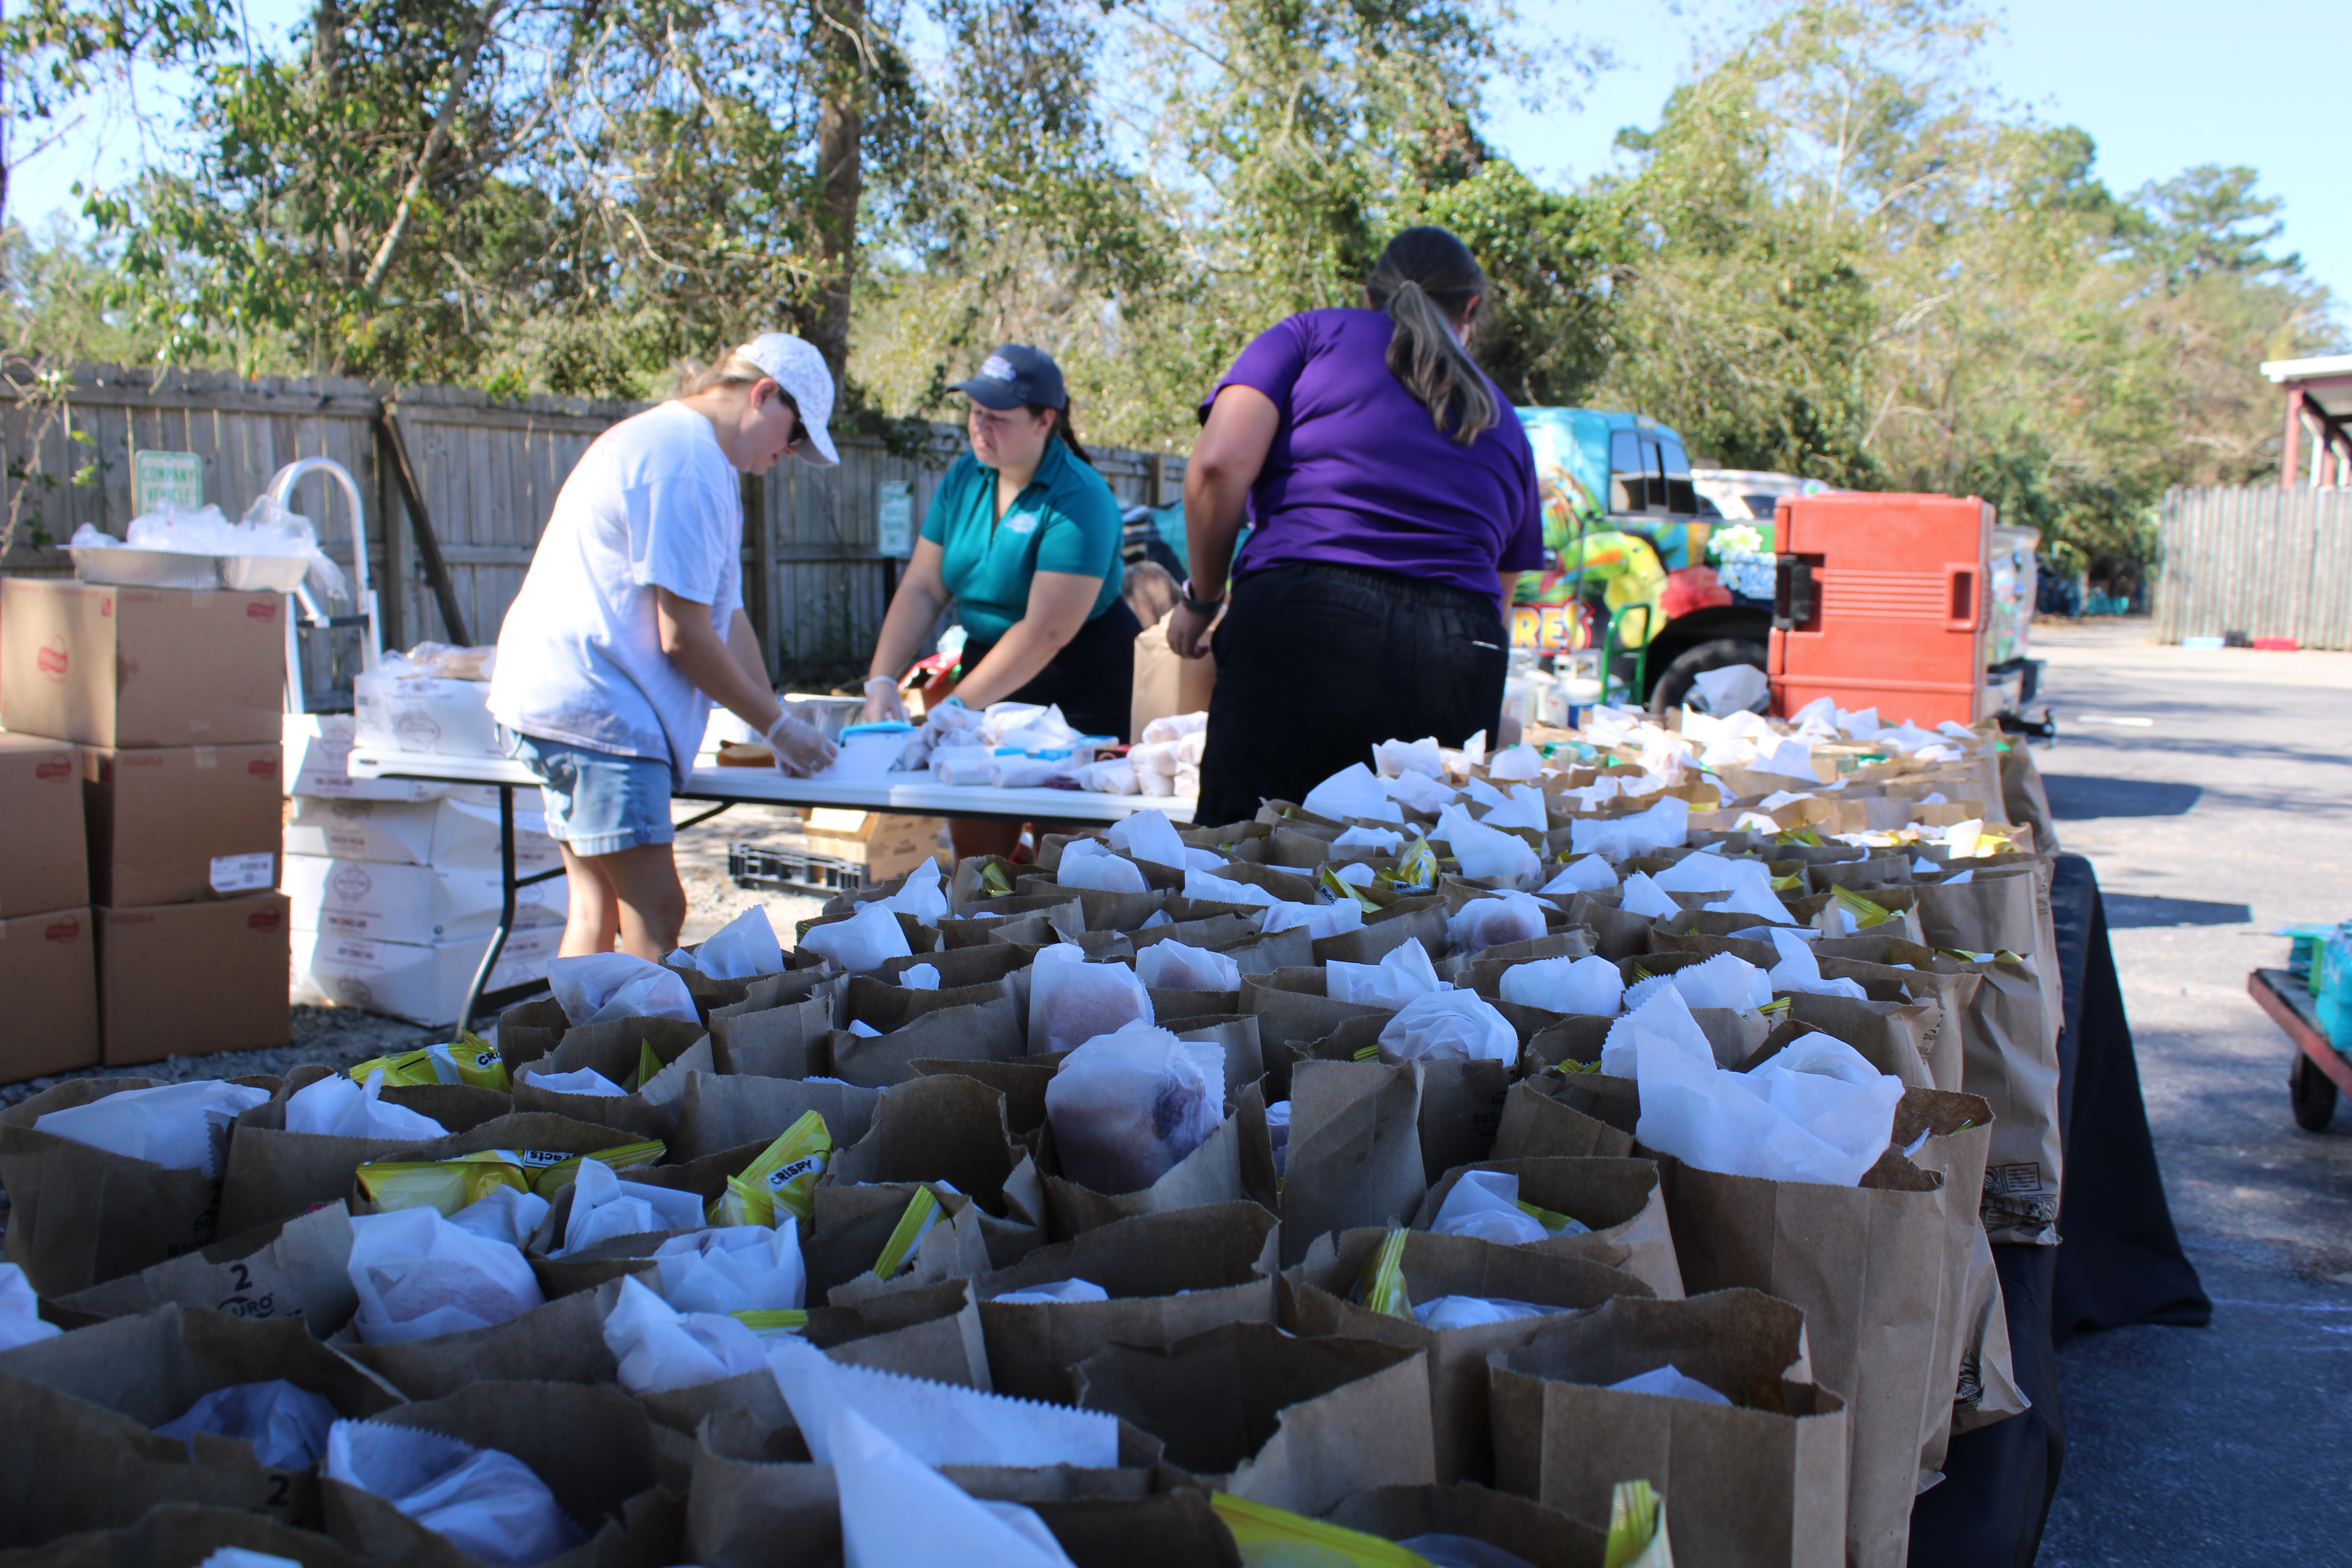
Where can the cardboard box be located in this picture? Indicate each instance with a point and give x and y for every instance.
(318, 749)
(141, 667)
(48, 973)
(171, 824)
(388, 902)
(425, 714)
(44, 861)
(183, 980)
(450, 834)
(424, 984)
(887, 844)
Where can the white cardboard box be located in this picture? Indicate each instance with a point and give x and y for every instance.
(426, 714)
(317, 748)
(424, 983)
(450, 833)
(386, 901)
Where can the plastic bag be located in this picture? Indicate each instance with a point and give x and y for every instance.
(180, 1126)
(1207, 886)
(605, 1206)
(1086, 864)
(1476, 1311)
(579, 1081)
(1489, 921)
(1485, 1203)
(920, 977)
(1404, 973)
(922, 896)
(1799, 970)
(20, 1311)
(1393, 759)
(1669, 1382)
(1071, 1001)
(1112, 775)
(1523, 808)
(744, 947)
(1644, 898)
(417, 1275)
(1320, 920)
(336, 1107)
(1723, 981)
(1734, 688)
(1350, 793)
(1174, 966)
(598, 986)
(898, 1511)
(508, 1215)
(1278, 1129)
(1664, 826)
(1059, 1291)
(1449, 1026)
(659, 1347)
(1591, 986)
(1149, 835)
(1127, 1106)
(484, 1502)
(1814, 1111)
(287, 1425)
(1485, 851)
(733, 1268)
(1420, 791)
(1386, 840)
(863, 942)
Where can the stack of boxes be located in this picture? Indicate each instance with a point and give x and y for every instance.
(161, 707)
(396, 885)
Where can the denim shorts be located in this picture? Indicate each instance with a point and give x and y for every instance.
(598, 802)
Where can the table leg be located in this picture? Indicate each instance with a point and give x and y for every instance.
(507, 888)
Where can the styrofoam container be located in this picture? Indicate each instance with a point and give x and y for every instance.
(129, 568)
(423, 982)
(263, 574)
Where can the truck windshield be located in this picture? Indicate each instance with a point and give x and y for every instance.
(1679, 495)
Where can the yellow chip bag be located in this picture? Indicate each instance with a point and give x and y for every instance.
(1381, 1289)
(552, 1171)
(445, 1184)
(923, 1211)
(476, 1061)
(769, 1321)
(405, 1071)
(1268, 1534)
(782, 1176)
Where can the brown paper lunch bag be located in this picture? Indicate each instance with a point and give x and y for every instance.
(1760, 1483)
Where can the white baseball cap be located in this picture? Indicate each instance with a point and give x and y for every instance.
(795, 365)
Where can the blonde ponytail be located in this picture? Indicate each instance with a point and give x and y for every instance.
(1426, 282)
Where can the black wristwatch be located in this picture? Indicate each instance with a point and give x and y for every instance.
(1199, 607)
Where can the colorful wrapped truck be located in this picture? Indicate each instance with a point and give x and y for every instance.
(1635, 562)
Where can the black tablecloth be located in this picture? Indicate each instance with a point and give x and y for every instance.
(2118, 1261)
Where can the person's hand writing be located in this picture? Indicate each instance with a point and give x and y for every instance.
(882, 704)
(1188, 632)
(800, 748)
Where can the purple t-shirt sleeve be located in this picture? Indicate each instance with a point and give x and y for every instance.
(1270, 365)
(1523, 549)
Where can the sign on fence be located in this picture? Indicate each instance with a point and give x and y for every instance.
(894, 519)
(167, 478)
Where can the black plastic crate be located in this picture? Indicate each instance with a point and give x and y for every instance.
(764, 868)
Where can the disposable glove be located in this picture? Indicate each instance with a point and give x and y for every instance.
(800, 748)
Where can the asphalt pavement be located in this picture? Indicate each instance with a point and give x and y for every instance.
(2214, 792)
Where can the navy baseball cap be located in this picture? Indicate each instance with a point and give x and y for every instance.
(1018, 376)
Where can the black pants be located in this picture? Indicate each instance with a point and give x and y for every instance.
(1315, 664)
(1092, 680)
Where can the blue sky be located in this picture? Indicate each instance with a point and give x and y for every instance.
(2160, 84)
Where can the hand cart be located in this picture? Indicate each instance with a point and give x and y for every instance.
(2319, 1070)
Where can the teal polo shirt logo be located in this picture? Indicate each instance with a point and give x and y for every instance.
(1020, 522)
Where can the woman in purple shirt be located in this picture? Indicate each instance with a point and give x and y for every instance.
(1394, 497)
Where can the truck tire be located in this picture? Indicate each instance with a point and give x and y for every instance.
(1675, 682)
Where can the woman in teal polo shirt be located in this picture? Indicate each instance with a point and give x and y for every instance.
(1023, 535)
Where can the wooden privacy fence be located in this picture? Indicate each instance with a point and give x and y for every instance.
(2257, 559)
(487, 473)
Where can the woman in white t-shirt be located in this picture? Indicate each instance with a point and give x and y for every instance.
(631, 623)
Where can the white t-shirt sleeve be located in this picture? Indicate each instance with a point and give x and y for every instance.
(689, 538)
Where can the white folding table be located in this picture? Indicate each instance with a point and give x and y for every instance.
(724, 787)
